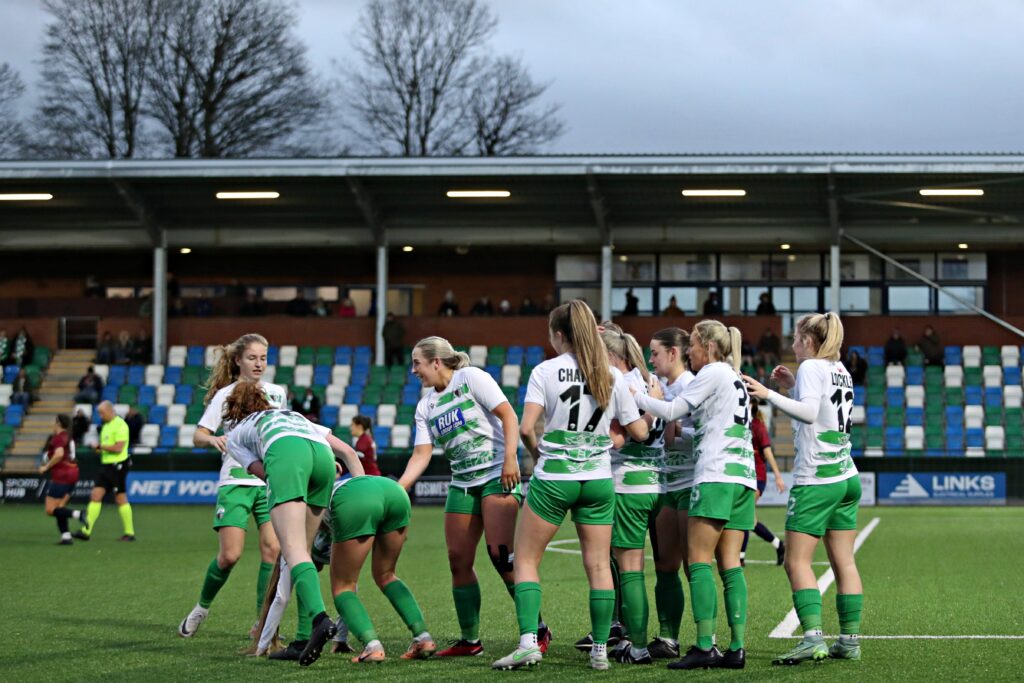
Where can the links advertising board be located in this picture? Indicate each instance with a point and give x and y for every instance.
(942, 488)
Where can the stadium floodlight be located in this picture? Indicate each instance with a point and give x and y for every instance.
(951, 192)
(185, 250)
(26, 197)
(714, 193)
(248, 195)
(784, 247)
(407, 248)
(478, 194)
(962, 245)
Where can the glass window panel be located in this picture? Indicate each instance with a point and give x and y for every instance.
(855, 299)
(577, 268)
(963, 266)
(797, 267)
(724, 297)
(645, 296)
(948, 304)
(782, 298)
(855, 267)
(687, 267)
(909, 299)
(686, 298)
(279, 293)
(634, 268)
(920, 263)
(805, 298)
(327, 293)
(744, 266)
(592, 295)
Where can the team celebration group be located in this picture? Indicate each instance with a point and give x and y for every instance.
(628, 454)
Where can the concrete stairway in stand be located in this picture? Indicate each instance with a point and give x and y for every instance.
(56, 395)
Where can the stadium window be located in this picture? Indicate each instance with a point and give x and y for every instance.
(592, 295)
(963, 266)
(909, 299)
(805, 298)
(745, 267)
(919, 263)
(686, 299)
(578, 268)
(280, 293)
(856, 299)
(644, 295)
(687, 267)
(975, 295)
(634, 268)
(797, 267)
(856, 267)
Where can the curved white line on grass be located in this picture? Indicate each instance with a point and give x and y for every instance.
(789, 625)
(993, 637)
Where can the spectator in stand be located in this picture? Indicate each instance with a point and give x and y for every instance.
(124, 349)
(857, 367)
(21, 393)
(347, 308)
(895, 349)
(362, 442)
(79, 426)
(173, 288)
(93, 288)
(633, 303)
(106, 350)
(143, 347)
(672, 309)
(5, 346)
(549, 304)
(320, 308)
(931, 347)
(482, 307)
(765, 305)
(769, 349)
(135, 422)
(308, 406)
(90, 387)
(713, 304)
(448, 307)
(298, 307)
(505, 308)
(393, 334)
(527, 307)
(21, 349)
(253, 306)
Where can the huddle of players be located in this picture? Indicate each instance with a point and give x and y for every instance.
(621, 450)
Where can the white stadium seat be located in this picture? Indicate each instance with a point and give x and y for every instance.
(478, 355)
(974, 417)
(287, 355)
(150, 436)
(972, 356)
(341, 374)
(165, 395)
(915, 396)
(5, 394)
(121, 409)
(185, 434)
(858, 415)
(993, 375)
(511, 375)
(386, 413)
(212, 355)
(269, 373)
(303, 375)
(995, 438)
(102, 370)
(154, 374)
(176, 356)
(1012, 395)
(894, 375)
(176, 415)
(913, 435)
(334, 395)
(1010, 356)
(86, 409)
(347, 412)
(954, 375)
(401, 435)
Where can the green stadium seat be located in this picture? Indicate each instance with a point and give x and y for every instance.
(954, 396)
(343, 432)
(895, 417)
(914, 358)
(193, 414)
(993, 417)
(284, 375)
(876, 396)
(972, 377)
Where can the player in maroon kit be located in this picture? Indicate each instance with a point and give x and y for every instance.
(60, 463)
(762, 454)
(365, 445)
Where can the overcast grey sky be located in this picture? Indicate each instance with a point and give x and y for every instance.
(656, 76)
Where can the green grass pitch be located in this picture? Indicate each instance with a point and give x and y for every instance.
(108, 611)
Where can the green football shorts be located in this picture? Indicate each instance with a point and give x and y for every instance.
(299, 469)
(677, 500)
(369, 506)
(466, 501)
(591, 501)
(815, 509)
(633, 515)
(732, 503)
(235, 503)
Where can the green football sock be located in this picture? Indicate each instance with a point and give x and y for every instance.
(307, 589)
(92, 513)
(262, 579)
(705, 599)
(304, 626)
(126, 519)
(735, 585)
(354, 614)
(215, 579)
(602, 608)
(635, 609)
(807, 603)
(528, 606)
(849, 606)
(613, 564)
(467, 609)
(401, 598)
(670, 602)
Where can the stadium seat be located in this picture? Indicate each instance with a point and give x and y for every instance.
(995, 439)
(346, 413)
(341, 375)
(993, 375)
(478, 355)
(102, 370)
(154, 375)
(954, 375)
(1011, 376)
(876, 356)
(859, 396)
(185, 434)
(176, 356)
(196, 356)
(1012, 395)
(165, 394)
(168, 437)
(894, 376)
(303, 375)
(894, 441)
(334, 394)
(1009, 356)
(915, 416)
(994, 397)
(382, 437)
(176, 415)
(915, 375)
(974, 416)
(914, 396)
(270, 374)
(386, 414)
(5, 394)
(857, 414)
(914, 438)
(875, 416)
(972, 356)
(211, 355)
(150, 435)
(895, 396)
(121, 409)
(287, 356)
(510, 375)
(401, 436)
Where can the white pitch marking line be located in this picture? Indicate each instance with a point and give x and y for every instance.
(993, 637)
(788, 625)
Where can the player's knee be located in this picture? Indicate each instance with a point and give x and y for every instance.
(384, 578)
(501, 558)
(459, 560)
(269, 549)
(227, 559)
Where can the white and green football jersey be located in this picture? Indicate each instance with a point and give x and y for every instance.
(638, 467)
(680, 459)
(251, 439)
(823, 447)
(213, 418)
(460, 421)
(575, 445)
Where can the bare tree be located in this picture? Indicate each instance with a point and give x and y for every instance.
(505, 111)
(420, 58)
(95, 59)
(231, 79)
(12, 133)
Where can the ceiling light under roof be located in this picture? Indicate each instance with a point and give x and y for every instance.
(407, 248)
(962, 245)
(26, 197)
(185, 250)
(478, 194)
(784, 247)
(952, 192)
(248, 195)
(714, 193)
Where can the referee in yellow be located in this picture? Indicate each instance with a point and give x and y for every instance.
(113, 474)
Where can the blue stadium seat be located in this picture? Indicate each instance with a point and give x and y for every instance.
(972, 396)
(875, 416)
(322, 375)
(14, 415)
(1011, 376)
(157, 415)
(861, 351)
(273, 354)
(859, 395)
(10, 372)
(329, 416)
(382, 437)
(353, 396)
(876, 355)
(915, 375)
(368, 411)
(147, 395)
(534, 355)
(117, 375)
(342, 355)
(109, 393)
(895, 397)
(172, 375)
(514, 355)
(954, 355)
(955, 443)
(894, 440)
(975, 438)
(136, 374)
(994, 397)
(915, 417)
(494, 371)
(168, 437)
(184, 393)
(954, 416)
(196, 356)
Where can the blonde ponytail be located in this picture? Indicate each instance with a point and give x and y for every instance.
(441, 348)
(626, 347)
(579, 329)
(727, 341)
(825, 332)
(734, 357)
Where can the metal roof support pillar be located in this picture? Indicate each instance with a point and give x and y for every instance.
(606, 282)
(160, 300)
(834, 249)
(382, 300)
(600, 209)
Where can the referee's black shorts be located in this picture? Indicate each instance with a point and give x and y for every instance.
(114, 477)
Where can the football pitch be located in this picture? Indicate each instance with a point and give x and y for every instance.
(940, 585)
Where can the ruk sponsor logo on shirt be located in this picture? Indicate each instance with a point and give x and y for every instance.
(449, 422)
